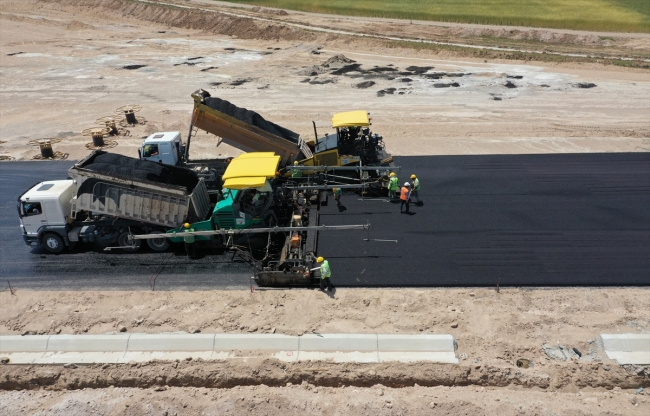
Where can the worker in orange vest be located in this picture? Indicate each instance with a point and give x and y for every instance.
(404, 198)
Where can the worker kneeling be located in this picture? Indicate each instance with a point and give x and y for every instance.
(190, 246)
(325, 274)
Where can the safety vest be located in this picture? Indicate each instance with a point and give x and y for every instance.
(405, 194)
(325, 271)
(189, 238)
(393, 183)
(296, 173)
(416, 184)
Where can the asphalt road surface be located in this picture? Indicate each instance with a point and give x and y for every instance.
(524, 220)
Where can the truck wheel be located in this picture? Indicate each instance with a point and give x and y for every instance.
(53, 243)
(123, 242)
(158, 244)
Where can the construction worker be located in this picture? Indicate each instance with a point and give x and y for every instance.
(190, 248)
(415, 188)
(337, 196)
(404, 198)
(393, 185)
(296, 173)
(325, 274)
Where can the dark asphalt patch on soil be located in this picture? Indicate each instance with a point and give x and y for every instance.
(509, 84)
(209, 68)
(346, 69)
(419, 69)
(132, 67)
(585, 85)
(445, 85)
(239, 82)
(383, 92)
(186, 63)
(515, 76)
(365, 84)
(195, 58)
(14, 53)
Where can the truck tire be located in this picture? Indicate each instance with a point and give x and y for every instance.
(158, 244)
(53, 243)
(123, 240)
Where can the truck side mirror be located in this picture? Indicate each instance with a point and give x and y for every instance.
(20, 214)
(139, 153)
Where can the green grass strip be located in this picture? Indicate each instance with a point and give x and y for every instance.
(591, 15)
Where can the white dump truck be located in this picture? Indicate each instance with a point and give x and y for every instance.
(109, 197)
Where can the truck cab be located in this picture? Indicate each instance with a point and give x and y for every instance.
(163, 147)
(43, 211)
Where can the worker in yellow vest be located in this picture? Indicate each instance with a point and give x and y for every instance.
(337, 196)
(190, 247)
(325, 274)
(415, 189)
(296, 173)
(393, 185)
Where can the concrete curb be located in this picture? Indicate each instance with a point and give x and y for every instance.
(123, 348)
(627, 348)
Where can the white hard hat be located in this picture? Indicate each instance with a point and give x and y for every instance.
(407, 184)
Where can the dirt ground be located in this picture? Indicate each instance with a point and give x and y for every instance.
(65, 63)
(493, 329)
(63, 66)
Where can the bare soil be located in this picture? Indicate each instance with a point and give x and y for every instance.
(69, 62)
(66, 63)
(493, 330)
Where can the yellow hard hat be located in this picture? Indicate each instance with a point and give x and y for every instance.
(413, 176)
(320, 259)
(186, 225)
(295, 163)
(391, 174)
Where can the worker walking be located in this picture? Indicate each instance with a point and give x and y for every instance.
(325, 274)
(393, 186)
(415, 188)
(190, 247)
(337, 196)
(404, 198)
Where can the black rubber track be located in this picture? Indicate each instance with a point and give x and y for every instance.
(538, 220)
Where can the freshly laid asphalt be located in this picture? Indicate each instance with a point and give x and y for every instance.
(523, 220)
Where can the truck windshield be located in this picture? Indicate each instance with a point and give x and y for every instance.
(31, 208)
(149, 150)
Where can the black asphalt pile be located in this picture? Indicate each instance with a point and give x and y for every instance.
(584, 85)
(419, 69)
(347, 68)
(250, 117)
(365, 84)
(132, 67)
(124, 167)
